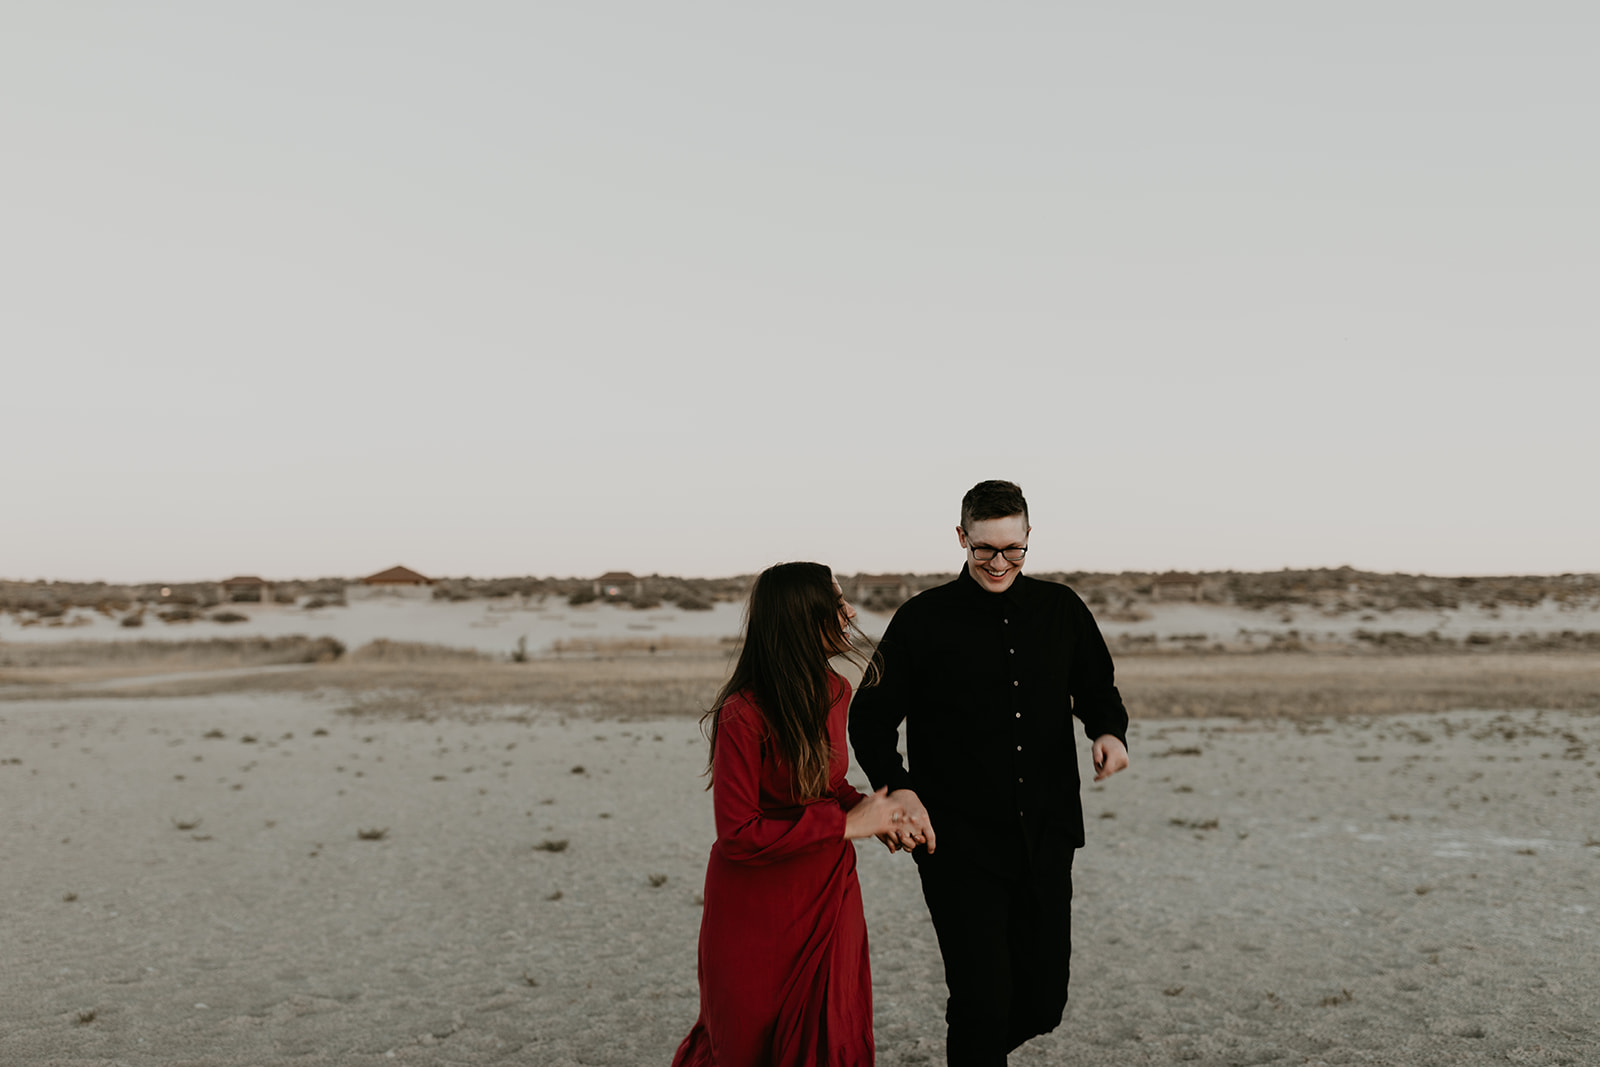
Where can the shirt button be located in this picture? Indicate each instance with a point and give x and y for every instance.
(1019, 714)
(1012, 651)
(1019, 781)
(1019, 748)
(1016, 683)
(1005, 620)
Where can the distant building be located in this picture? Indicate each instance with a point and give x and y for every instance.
(881, 589)
(245, 587)
(394, 582)
(618, 585)
(1175, 585)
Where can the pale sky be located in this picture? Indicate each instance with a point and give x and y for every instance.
(303, 289)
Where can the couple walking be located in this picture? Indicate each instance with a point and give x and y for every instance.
(986, 672)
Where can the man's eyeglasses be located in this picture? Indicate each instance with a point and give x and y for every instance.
(985, 553)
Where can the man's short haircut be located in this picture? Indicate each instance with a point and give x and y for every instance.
(993, 500)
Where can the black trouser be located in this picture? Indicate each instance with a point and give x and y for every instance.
(1006, 938)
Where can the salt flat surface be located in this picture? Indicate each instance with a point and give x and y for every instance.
(186, 881)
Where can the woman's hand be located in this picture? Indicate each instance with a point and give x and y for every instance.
(874, 816)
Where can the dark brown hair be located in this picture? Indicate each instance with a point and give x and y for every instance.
(792, 629)
(993, 500)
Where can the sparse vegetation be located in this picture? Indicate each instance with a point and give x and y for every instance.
(1333, 591)
(213, 652)
(385, 651)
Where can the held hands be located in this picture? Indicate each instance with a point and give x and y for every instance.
(1110, 756)
(913, 828)
(874, 816)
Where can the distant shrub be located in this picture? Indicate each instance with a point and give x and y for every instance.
(321, 649)
(645, 602)
(693, 602)
(228, 616)
(178, 615)
(581, 596)
(136, 619)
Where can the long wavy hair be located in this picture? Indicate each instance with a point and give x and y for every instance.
(792, 628)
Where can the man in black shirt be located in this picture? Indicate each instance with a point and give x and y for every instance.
(987, 672)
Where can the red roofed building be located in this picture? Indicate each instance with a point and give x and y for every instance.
(396, 576)
(396, 581)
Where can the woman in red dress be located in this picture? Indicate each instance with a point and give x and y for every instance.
(784, 975)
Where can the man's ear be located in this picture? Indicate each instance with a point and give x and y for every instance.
(961, 537)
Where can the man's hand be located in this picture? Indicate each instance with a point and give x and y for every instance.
(912, 830)
(1110, 756)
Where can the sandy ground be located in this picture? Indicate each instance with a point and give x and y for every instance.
(186, 881)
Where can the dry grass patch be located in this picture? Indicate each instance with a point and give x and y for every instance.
(172, 655)
(475, 687)
(623, 680)
(1310, 685)
(31, 670)
(667, 645)
(414, 652)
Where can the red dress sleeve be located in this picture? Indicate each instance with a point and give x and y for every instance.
(747, 832)
(846, 794)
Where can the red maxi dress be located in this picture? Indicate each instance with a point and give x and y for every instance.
(784, 975)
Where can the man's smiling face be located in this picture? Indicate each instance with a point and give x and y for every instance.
(1001, 535)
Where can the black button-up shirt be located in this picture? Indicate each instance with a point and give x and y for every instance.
(987, 684)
